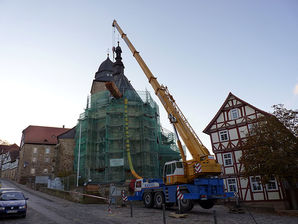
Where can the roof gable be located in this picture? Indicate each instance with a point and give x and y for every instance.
(226, 105)
(42, 135)
(71, 133)
(7, 148)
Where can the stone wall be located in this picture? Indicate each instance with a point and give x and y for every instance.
(64, 157)
(36, 160)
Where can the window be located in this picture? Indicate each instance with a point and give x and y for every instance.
(255, 183)
(138, 183)
(173, 165)
(47, 159)
(223, 135)
(45, 171)
(47, 151)
(234, 114)
(34, 159)
(33, 171)
(271, 185)
(179, 165)
(228, 159)
(34, 150)
(232, 185)
(168, 169)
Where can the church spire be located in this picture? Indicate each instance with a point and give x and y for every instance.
(118, 65)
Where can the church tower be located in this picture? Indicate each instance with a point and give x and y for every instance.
(116, 135)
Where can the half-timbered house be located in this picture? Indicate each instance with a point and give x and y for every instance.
(227, 130)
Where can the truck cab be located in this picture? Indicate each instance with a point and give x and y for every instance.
(173, 173)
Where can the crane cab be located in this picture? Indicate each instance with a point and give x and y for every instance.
(173, 173)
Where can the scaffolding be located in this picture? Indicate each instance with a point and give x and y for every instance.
(110, 127)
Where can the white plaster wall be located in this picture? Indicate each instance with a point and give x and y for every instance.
(235, 142)
(273, 195)
(249, 110)
(220, 118)
(252, 116)
(243, 182)
(248, 196)
(259, 115)
(243, 131)
(238, 121)
(225, 144)
(229, 170)
(216, 145)
(233, 134)
(232, 122)
(242, 110)
(238, 154)
(238, 167)
(214, 137)
(258, 196)
(219, 159)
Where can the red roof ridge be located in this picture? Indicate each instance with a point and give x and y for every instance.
(45, 127)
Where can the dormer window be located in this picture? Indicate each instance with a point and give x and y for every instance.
(234, 114)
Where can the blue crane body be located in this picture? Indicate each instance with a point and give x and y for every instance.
(204, 191)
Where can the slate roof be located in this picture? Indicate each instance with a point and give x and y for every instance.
(109, 71)
(42, 135)
(105, 71)
(70, 134)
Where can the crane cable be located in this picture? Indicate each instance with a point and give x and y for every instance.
(113, 43)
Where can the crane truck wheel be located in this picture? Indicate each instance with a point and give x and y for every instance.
(159, 199)
(186, 205)
(148, 199)
(206, 204)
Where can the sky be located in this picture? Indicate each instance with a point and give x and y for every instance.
(201, 50)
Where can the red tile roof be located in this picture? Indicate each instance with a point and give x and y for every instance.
(6, 148)
(42, 135)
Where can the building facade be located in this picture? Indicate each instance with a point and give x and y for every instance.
(37, 152)
(227, 130)
(65, 153)
(9, 158)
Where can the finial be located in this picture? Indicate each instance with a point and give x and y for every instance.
(118, 43)
(108, 52)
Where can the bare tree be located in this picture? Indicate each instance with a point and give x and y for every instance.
(288, 117)
(4, 142)
(272, 151)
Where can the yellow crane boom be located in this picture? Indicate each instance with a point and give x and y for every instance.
(198, 151)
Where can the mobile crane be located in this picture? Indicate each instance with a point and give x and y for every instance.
(196, 178)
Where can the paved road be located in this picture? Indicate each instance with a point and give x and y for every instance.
(46, 209)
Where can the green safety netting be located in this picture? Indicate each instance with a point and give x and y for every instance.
(110, 127)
